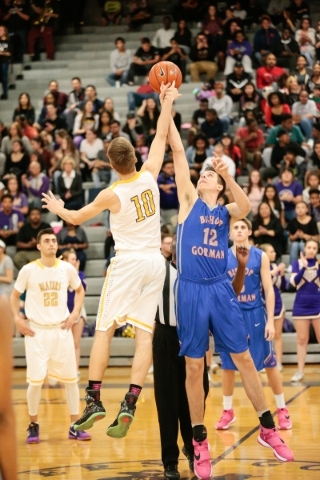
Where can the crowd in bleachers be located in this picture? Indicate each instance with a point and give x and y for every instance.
(258, 108)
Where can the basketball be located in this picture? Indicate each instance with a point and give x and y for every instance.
(165, 72)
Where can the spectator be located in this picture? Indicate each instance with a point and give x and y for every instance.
(5, 57)
(176, 55)
(315, 139)
(202, 55)
(104, 124)
(286, 124)
(290, 160)
(43, 27)
(315, 156)
(254, 191)
(223, 105)
(89, 149)
(169, 203)
(266, 228)
(166, 243)
(231, 24)
(211, 24)
(111, 12)
(188, 10)
(250, 101)
(239, 50)
(149, 114)
(6, 270)
(276, 10)
(292, 90)
(75, 237)
(17, 161)
(143, 92)
(275, 108)
(53, 121)
(304, 112)
(236, 82)
(218, 149)
(301, 229)
(212, 127)
(199, 151)
(20, 201)
(314, 206)
(271, 197)
(286, 50)
(231, 150)
(77, 94)
(264, 39)
(120, 61)
(35, 184)
(298, 9)
(290, 193)
(301, 72)
(199, 115)
(91, 94)
(27, 130)
(163, 36)
(101, 171)
(268, 76)
(46, 156)
(84, 121)
(108, 106)
(133, 128)
(315, 96)
(11, 220)
(306, 39)
(61, 99)
(318, 42)
(7, 142)
(144, 59)
(27, 239)
(49, 99)
(139, 14)
(312, 182)
(70, 185)
(24, 108)
(183, 36)
(250, 139)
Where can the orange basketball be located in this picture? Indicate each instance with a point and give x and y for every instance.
(165, 72)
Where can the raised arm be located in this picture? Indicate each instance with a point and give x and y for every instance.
(242, 254)
(106, 200)
(157, 150)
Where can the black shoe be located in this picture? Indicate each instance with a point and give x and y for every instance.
(171, 472)
(188, 457)
(93, 412)
(119, 428)
(19, 77)
(12, 86)
(4, 97)
(27, 67)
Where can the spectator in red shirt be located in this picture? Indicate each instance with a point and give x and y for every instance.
(143, 92)
(61, 99)
(275, 108)
(269, 74)
(250, 139)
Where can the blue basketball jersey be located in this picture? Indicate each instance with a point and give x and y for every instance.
(202, 242)
(251, 295)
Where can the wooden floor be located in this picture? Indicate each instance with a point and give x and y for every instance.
(235, 453)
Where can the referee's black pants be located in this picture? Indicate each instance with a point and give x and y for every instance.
(169, 372)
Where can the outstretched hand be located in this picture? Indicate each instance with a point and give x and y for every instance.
(169, 91)
(221, 168)
(51, 203)
(242, 255)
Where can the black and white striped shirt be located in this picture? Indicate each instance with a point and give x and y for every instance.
(166, 313)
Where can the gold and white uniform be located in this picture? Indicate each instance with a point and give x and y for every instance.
(135, 277)
(51, 349)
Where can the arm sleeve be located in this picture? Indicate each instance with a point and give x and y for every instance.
(298, 277)
(113, 61)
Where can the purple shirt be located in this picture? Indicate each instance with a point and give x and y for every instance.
(10, 222)
(295, 188)
(307, 300)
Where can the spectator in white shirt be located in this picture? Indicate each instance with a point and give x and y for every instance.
(89, 149)
(162, 38)
(222, 104)
(218, 149)
(304, 112)
(120, 61)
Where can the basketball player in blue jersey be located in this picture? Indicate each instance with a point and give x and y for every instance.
(205, 299)
(258, 315)
(135, 277)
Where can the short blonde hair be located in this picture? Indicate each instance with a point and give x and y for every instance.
(246, 221)
(264, 247)
(122, 156)
(68, 160)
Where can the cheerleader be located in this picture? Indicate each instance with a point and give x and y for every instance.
(306, 308)
(279, 284)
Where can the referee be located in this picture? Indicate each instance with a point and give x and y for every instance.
(169, 372)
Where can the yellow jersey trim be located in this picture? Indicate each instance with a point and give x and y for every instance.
(39, 264)
(56, 263)
(103, 294)
(129, 180)
(139, 323)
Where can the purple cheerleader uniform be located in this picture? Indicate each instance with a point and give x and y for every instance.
(307, 302)
(279, 284)
(71, 294)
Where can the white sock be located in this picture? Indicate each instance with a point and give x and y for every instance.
(33, 399)
(72, 397)
(227, 402)
(280, 401)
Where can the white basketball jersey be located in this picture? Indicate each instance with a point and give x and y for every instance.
(137, 225)
(47, 290)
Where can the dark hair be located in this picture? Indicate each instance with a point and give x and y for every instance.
(287, 170)
(254, 90)
(54, 81)
(286, 116)
(29, 105)
(279, 95)
(305, 17)
(145, 40)
(7, 195)
(250, 181)
(45, 231)
(258, 216)
(250, 121)
(119, 39)
(221, 181)
(35, 208)
(276, 199)
(212, 111)
(76, 78)
(21, 145)
(114, 121)
(313, 191)
(265, 17)
(203, 137)
(91, 86)
(38, 140)
(166, 17)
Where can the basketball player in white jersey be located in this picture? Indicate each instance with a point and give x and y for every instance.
(136, 274)
(48, 328)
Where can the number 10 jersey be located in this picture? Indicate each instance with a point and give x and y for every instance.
(137, 225)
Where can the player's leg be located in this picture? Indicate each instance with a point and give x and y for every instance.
(303, 331)
(228, 379)
(77, 330)
(278, 341)
(275, 382)
(73, 400)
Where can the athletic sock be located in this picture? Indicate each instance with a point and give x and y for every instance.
(133, 393)
(227, 402)
(266, 420)
(280, 401)
(199, 433)
(95, 387)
